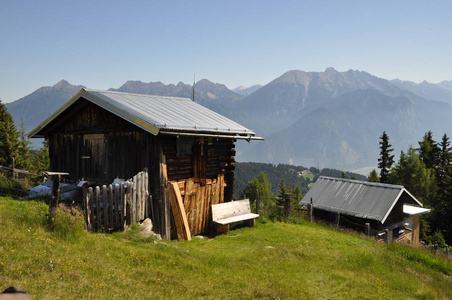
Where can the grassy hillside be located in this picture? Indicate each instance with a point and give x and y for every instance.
(269, 261)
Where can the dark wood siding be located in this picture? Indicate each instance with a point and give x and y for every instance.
(94, 144)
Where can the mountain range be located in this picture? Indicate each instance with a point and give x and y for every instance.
(324, 119)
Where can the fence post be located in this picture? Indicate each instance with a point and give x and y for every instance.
(123, 205)
(117, 211)
(86, 207)
(367, 229)
(110, 207)
(311, 211)
(105, 207)
(54, 200)
(258, 204)
(287, 204)
(98, 211)
(338, 219)
(91, 207)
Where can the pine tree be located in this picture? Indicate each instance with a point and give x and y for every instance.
(261, 183)
(282, 191)
(412, 173)
(373, 176)
(386, 159)
(8, 136)
(429, 151)
(444, 161)
(23, 159)
(41, 160)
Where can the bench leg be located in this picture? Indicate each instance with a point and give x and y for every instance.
(222, 228)
(251, 222)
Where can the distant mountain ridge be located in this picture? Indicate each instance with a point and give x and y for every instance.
(323, 119)
(334, 119)
(245, 91)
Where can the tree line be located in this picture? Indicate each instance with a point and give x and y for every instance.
(426, 172)
(15, 150)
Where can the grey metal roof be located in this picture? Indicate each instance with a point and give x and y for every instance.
(356, 198)
(155, 113)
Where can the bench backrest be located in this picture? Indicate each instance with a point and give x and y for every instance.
(229, 209)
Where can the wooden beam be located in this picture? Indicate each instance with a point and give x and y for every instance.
(178, 210)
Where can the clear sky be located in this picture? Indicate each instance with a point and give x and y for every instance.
(102, 44)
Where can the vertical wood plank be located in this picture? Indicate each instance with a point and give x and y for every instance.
(98, 210)
(86, 208)
(148, 199)
(129, 203)
(138, 195)
(134, 200)
(123, 200)
(91, 208)
(166, 207)
(208, 205)
(110, 207)
(105, 208)
(221, 185)
(117, 210)
(180, 217)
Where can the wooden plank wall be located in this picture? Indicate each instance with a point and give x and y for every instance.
(198, 199)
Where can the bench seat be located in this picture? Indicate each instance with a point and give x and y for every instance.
(236, 218)
(229, 212)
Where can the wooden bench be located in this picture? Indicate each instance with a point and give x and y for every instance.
(226, 213)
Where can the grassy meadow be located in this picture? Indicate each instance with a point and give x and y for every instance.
(273, 260)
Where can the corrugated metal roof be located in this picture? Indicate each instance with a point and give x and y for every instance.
(155, 113)
(356, 198)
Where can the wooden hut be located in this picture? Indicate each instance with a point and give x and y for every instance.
(388, 212)
(102, 135)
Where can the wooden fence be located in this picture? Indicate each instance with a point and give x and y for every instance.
(113, 207)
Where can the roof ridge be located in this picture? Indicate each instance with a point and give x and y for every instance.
(385, 185)
(135, 94)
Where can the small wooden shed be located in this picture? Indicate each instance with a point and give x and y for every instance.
(388, 211)
(102, 135)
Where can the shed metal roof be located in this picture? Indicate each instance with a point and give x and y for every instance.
(154, 113)
(361, 199)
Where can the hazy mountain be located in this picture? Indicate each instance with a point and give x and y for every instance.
(439, 92)
(245, 91)
(36, 107)
(284, 99)
(334, 119)
(328, 119)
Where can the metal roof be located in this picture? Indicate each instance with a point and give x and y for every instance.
(414, 210)
(357, 198)
(155, 113)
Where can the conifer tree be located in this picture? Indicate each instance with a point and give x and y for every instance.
(429, 151)
(8, 136)
(23, 159)
(373, 176)
(282, 191)
(385, 160)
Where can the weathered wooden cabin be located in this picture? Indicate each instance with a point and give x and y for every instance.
(387, 209)
(102, 135)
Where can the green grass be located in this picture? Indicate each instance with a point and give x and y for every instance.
(270, 261)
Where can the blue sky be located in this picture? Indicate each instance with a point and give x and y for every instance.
(102, 44)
